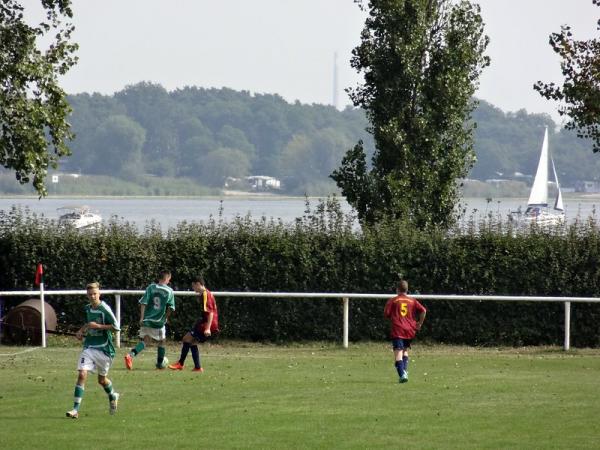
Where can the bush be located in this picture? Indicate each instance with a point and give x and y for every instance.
(323, 252)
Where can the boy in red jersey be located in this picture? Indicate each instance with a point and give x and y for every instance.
(204, 328)
(407, 316)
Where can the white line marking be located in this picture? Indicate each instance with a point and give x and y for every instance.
(21, 352)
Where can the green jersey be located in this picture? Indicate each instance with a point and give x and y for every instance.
(100, 339)
(157, 298)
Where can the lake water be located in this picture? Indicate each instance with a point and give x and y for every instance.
(168, 212)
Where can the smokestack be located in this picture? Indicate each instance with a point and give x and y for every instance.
(335, 82)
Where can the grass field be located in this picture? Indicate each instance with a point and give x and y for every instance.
(308, 396)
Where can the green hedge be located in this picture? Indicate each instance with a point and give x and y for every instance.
(322, 252)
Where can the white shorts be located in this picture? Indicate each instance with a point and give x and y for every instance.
(94, 360)
(158, 334)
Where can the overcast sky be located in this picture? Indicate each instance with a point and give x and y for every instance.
(287, 47)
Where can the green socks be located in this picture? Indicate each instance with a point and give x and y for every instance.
(77, 396)
(138, 348)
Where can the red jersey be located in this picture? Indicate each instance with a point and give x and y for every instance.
(209, 305)
(402, 310)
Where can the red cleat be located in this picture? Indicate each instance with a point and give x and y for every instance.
(176, 366)
(128, 361)
(198, 369)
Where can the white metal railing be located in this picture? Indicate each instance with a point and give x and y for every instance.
(345, 297)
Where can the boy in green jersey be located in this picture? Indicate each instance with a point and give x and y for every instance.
(98, 350)
(155, 308)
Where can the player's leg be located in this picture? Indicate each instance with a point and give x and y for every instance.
(113, 396)
(196, 357)
(397, 346)
(160, 353)
(85, 364)
(198, 338)
(78, 394)
(406, 347)
(141, 345)
(144, 342)
(159, 335)
(186, 342)
(405, 359)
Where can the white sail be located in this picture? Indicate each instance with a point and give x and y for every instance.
(539, 190)
(558, 203)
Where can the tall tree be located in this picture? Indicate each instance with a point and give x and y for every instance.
(118, 143)
(421, 60)
(33, 107)
(580, 92)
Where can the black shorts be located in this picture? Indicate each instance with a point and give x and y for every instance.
(197, 332)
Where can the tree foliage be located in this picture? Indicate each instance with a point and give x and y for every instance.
(421, 60)
(580, 92)
(211, 134)
(33, 107)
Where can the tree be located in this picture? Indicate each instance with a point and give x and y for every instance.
(421, 60)
(33, 108)
(221, 163)
(580, 92)
(118, 142)
(308, 159)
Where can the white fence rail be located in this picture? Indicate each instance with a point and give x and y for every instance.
(344, 297)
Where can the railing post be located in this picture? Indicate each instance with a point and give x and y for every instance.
(346, 316)
(567, 344)
(118, 314)
(43, 314)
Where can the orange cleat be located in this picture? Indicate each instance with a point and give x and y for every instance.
(128, 361)
(198, 369)
(176, 366)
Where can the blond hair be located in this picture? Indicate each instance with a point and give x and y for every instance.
(93, 285)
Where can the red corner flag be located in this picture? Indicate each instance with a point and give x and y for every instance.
(39, 275)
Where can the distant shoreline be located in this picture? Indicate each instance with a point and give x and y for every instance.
(227, 194)
(256, 195)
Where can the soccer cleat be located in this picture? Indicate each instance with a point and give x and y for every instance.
(112, 409)
(404, 377)
(176, 366)
(128, 361)
(73, 414)
(198, 369)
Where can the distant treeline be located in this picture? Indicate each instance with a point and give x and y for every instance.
(202, 136)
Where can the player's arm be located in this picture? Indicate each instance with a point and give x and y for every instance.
(81, 332)
(142, 311)
(387, 311)
(421, 319)
(209, 320)
(169, 311)
(100, 326)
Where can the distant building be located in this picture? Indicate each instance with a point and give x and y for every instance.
(254, 183)
(263, 183)
(587, 186)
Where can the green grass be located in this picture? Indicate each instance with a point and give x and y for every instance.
(308, 396)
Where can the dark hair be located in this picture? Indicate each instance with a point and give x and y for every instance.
(198, 279)
(403, 286)
(163, 274)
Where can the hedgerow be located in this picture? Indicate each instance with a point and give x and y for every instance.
(323, 251)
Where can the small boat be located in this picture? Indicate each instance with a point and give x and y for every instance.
(537, 210)
(78, 216)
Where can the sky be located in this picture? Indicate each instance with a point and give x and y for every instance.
(288, 47)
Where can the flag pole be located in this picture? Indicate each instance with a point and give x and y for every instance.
(43, 311)
(39, 280)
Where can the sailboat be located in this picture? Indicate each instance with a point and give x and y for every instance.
(537, 210)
